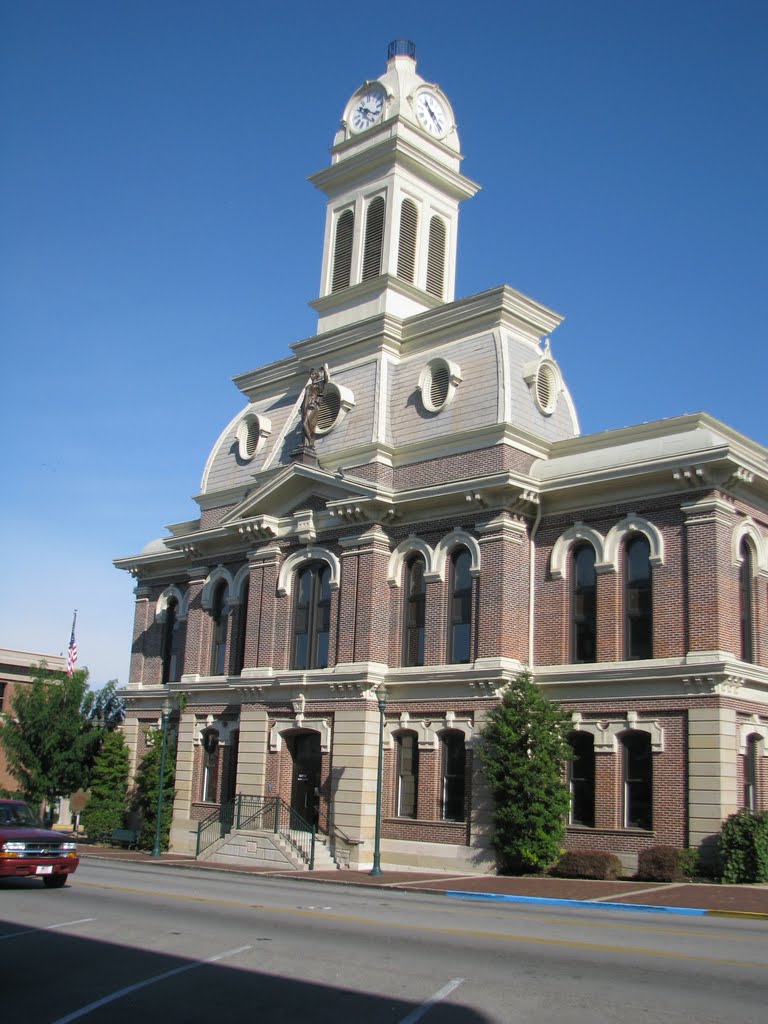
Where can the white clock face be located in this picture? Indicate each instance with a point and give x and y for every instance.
(367, 110)
(431, 114)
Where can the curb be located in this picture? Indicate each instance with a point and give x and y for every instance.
(643, 908)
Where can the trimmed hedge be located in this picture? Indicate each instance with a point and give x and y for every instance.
(660, 864)
(588, 864)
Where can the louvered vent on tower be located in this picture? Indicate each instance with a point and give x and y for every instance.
(438, 386)
(438, 382)
(374, 239)
(436, 258)
(406, 250)
(251, 439)
(546, 388)
(342, 251)
(252, 433)
(328, 411)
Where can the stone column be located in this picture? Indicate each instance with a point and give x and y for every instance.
(130, 731)
(481, 813)
(183, 829)
(252, 752)
(355, 766)
(712, 788)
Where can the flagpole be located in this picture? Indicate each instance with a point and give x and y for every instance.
(72, 649)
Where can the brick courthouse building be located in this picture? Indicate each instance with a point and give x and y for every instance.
(405, 502)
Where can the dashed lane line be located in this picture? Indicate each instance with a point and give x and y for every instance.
(46, 928)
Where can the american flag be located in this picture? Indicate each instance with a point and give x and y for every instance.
(72, 649)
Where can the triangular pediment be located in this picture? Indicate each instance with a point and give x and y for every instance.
(290, 488)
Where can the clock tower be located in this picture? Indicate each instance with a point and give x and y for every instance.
(393, 187)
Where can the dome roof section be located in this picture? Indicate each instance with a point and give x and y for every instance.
(400, 102)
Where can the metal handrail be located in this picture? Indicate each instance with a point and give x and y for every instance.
(259, 812)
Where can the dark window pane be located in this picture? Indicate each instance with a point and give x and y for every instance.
(638, 780)
(312, 617)
(638, 600)
(581, 777)
(745, 602)
(413, 633)
(459, 648)
(407, 775)
(454, 763)
(583, 605)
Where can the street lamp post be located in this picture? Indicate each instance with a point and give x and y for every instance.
(381, 699)
(165, 713)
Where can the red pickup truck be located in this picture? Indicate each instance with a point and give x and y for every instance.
(26, 848)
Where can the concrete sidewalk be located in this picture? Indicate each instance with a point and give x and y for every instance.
(693, 899)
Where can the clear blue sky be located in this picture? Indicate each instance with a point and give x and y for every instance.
(158, 236)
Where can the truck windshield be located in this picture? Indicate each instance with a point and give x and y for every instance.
(17, 814)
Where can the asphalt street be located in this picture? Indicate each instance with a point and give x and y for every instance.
(153, 942)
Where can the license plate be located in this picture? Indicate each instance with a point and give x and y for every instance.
(44, 869)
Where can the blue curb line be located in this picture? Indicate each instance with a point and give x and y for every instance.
(645, 908)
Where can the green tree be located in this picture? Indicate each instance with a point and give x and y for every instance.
(48, 740)
(108, 799)
(148, 786)
(522, 752)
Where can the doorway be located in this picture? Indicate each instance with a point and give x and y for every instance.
(305, 791)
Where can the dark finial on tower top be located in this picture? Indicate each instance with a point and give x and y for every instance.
(401, 48)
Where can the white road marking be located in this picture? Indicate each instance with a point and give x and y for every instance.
(438, 997)
(143, 984)
(46, 928)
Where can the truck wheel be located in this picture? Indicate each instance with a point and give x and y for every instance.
(55, 881)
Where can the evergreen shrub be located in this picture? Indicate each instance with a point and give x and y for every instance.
(744, 848)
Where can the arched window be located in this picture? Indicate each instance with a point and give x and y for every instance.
(750, 773)
(209, 777)
(460, 597)
(407, 767)
(312, 616)
(453, 770)
(637, 779)
(406, 249)
(413, 625)
(436, 258)
(238, 653)
(374, 238)
(342, 251)
(583, 604)
(171, 632)
(581, 779)
(638, 601)
(745, 601)
(219, 620)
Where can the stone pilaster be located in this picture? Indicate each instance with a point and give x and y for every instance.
(252, 753)
(183, 829)
(712, 582)
(354, 777)
(197, 639)
(364, 597)
(712, 789)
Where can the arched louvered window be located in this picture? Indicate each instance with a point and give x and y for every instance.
(581, 779)
(583, 604)
(329, 408)
(171, 630)
(219, 619)
(407, 749)
(413, 627)
(637, 770)
(638, 600)
(453, 770)
(750, 801)
(374, 238)
(238, 654)
(312, 617)
(406, 249)
(342, 251)
(745, 601)
(460, 597)
(436, 258)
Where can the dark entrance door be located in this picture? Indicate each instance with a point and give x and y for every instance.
(305, 750)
